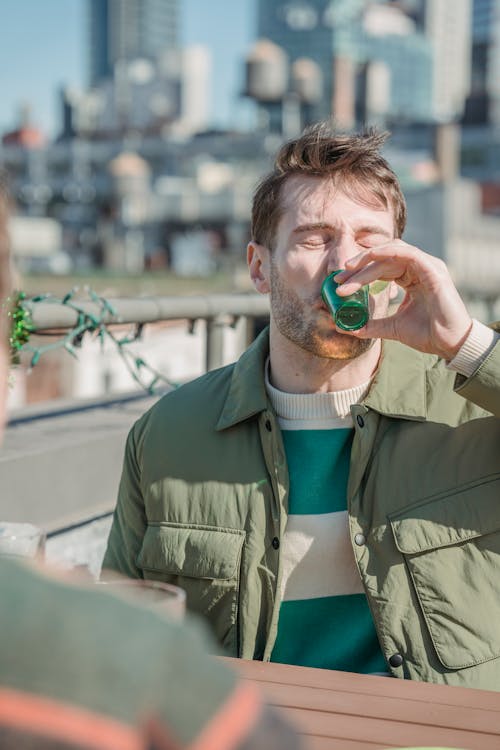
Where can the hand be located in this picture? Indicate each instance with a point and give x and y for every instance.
(432, 317)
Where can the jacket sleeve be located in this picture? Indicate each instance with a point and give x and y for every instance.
(236, 726)
(483, 387)
(129, 519)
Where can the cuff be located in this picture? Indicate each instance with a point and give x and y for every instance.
(474, 350)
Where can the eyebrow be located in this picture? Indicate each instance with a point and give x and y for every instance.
(364, 229)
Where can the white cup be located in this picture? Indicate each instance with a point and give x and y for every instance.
(162, 597)
(21, 540)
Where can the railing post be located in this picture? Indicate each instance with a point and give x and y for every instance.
(214, 350)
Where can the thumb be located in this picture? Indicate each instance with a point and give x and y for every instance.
(378, 328)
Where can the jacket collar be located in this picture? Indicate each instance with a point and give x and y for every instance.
(398, 390)
(247, 391)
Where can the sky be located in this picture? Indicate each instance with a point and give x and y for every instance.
(43, 45)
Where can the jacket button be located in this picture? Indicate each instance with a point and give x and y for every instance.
(269, 426)
(360, 420)
(396, 660)
(360, 539)
(276, 542)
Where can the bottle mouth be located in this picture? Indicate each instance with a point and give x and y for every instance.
(352, 316)
(349, 313)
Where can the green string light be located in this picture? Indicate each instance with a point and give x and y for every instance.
(22, 327)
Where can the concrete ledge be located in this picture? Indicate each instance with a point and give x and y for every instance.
(63, 467)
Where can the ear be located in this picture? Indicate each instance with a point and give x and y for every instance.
(258, 261)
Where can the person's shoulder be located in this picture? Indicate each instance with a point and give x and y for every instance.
(199, 399)
(423, 380)
(205, 390)
(444, 403)
(200, 402)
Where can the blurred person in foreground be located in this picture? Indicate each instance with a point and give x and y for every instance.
(332, 499)
(81, 670)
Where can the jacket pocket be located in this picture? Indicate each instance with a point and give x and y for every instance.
(451, 546)
(205, 562)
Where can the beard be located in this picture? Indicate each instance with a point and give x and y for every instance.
(301, 322)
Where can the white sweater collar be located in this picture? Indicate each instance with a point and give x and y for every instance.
(314, 405)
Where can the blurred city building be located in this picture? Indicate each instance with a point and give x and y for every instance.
(167, 94)
(140, 95)
(481, 132)
(137, 180)
(448, 28)
(25, 135)
(125, 30)
(129, 202)
(483, 104)
(141, 80)
(391, 42)
(390, 61)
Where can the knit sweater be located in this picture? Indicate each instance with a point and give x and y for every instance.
(324, 617)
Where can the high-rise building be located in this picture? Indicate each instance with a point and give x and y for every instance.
(195, 89)
(122, 30)
(393, 42)
(483, 104)
(375, 62)
(447, 25)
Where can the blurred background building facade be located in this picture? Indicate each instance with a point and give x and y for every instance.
(483, 105)
(124, 31)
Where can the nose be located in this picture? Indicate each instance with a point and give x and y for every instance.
(341, 250)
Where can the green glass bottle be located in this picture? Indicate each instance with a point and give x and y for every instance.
(349, 313)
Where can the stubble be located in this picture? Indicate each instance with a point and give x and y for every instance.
(299, 321)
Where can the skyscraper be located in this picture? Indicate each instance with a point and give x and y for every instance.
(127, 29)
(483, 104)
(360, 46)
(447, 25)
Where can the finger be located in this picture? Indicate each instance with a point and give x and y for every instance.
(386, 270)
(404, 264)
(363, 259)
(394, 249)
(379, 328)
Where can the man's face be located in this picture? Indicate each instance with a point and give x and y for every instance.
(321, 227)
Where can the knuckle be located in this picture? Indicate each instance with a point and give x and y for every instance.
(442, 265)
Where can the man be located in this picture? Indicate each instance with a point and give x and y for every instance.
(332, 498)
(83, 670)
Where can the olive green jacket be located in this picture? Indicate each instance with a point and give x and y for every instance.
(203, 503)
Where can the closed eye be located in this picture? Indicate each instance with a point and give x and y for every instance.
(314, 239)
(371, 240)
(372, 235)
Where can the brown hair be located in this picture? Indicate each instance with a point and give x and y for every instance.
(353, 161)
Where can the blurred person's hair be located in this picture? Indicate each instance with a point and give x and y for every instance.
(5, 264)
(352, 162)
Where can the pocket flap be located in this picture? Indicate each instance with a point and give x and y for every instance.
(193, 551)
(450, 518)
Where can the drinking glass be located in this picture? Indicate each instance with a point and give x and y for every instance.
(162, 597)
(21, 540)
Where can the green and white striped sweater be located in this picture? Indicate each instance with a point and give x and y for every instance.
(324, 618)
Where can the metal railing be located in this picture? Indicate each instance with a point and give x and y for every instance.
(218, 310)
(82, 443)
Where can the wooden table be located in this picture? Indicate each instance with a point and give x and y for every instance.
(344, 711)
